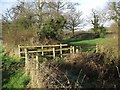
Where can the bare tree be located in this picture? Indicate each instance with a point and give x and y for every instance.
(114, 10)
(73, 20)
(39, 6)
(56, 8)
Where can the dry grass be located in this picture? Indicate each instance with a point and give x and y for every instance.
(18, 37)
(12, 39)
(48, 75)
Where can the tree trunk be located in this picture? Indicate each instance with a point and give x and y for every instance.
(73, 32)
(119, 40)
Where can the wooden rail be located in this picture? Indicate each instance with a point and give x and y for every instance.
(45, 50)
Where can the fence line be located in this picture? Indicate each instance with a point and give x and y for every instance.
(41, 50)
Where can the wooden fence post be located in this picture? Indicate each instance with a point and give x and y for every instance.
(42, 51)
(77, 50)
(37, 61)
(19, 51)
(96, 48)
(53, 52)
(70, 49)
(36, 57)
(61, 50)
(37, 70)
(26, 61)
(73, 48)
(26, 54)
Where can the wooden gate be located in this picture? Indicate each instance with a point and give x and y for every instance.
(45, 50)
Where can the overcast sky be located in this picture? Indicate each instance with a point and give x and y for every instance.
(85, 5)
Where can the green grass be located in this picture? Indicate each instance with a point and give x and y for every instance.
(91, 41)
(86, 45)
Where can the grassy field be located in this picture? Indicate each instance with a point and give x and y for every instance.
(91, 41)
(86, 44)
